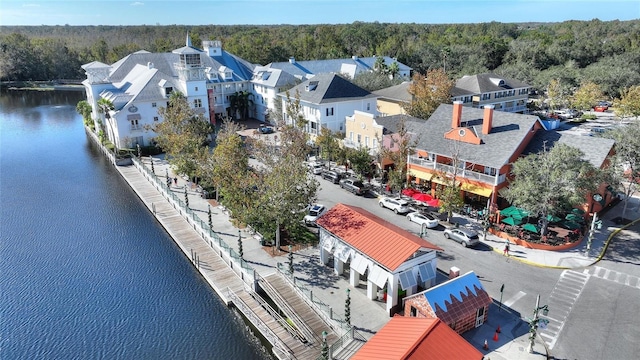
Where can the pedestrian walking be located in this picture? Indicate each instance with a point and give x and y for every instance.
(506, 249)
(175, 181)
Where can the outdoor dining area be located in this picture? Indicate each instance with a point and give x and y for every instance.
(516, 223)
(420, 198)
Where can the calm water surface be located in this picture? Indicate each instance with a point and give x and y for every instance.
(85, 271)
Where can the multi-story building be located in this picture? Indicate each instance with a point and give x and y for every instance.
(481, 90)
(349, 67)
(326, 100)
(138, 84)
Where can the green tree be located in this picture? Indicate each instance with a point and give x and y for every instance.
(328, 143)
(182, 134)
(18, 59)
(402, 144)
(586, 96)
(373, 80)
(629, 103)
(231, 173)
(626, 161)
(552, 181)
(240, 104)
(105, 106)
(556, 94)
(84, 109)
(428, 92)
(361, 161)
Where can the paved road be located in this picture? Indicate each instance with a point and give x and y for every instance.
(591, 309)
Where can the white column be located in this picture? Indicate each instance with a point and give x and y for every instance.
(338, 266)
(392, 294)
(354, 278)
(372, 290)
(324, 256)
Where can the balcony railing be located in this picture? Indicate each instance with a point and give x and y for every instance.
(464, 173)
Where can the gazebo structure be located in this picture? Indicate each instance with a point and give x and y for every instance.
(392, 261)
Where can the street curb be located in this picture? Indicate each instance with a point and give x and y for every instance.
(598, 258)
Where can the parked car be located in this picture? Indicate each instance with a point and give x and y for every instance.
(263, 129)
(354, 185)
(316, 168)
(422, 218)
(332, 176)
(464, 236)
(398, 206)
(314, 213)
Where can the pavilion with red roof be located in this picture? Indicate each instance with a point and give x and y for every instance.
(381, 253)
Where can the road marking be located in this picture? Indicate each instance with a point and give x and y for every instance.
(561, 300)
(616, 276)
(514, 298)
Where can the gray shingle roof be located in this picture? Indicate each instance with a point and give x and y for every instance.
(329, 88)
(398, 92)
(391, 122)
(483, 83)
(507, 133)
(595, 149)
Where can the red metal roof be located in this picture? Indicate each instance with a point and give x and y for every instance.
(380, 240)
(411, 338)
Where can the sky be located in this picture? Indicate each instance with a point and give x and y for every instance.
(296, 12)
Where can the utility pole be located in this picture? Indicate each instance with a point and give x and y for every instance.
(533, 323)
(594, 223)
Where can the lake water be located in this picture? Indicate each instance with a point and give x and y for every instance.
(86, 272)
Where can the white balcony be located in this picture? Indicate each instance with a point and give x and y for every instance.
(464, 173)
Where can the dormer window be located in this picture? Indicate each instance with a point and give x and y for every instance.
(311, 86)
(167, 91)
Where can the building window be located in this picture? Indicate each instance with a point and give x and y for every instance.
(197, 103)
(196, 88)
(359, 138)
(155, 118)
(366, 141)
(375, 143)
(153, 104)
(413, 312)
(329, 111)
(168, 91)
(351, 135)
(134, 124)
(368, 106)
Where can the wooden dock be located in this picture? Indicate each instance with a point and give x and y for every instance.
(287, 343)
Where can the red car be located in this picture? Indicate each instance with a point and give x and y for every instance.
(600, 108)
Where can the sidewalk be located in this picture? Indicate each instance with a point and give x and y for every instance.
(367, 316)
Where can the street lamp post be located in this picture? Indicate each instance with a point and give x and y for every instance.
(533, 323)
(324, 352)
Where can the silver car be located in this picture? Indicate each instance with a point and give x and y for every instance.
(464, 236)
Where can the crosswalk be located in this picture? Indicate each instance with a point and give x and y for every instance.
(615, 276)
(561, 300)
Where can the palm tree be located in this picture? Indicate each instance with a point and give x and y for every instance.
(394, 69)
(240, 103)
(105, 107)
(83, 108)
(379, 65)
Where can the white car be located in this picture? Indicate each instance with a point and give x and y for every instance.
(314, 213)
(426, 219)
(398, 206)
(316, 168)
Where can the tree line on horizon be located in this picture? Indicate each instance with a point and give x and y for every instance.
(606, 53)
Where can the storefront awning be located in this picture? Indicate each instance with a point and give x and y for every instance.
(427, 271)
(476, 189)
(360, 263)
(419, 174)
(378, 276)
(407, 280)
(342, 252)
(327, 243)
(441, 181)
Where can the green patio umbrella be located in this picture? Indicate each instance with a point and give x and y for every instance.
(553, 218)
(571, 225)
(530, 227)
(577, 211)
(575, 218)
(514, 212)
(511, 221)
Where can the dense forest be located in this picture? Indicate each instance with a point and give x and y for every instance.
(571, 52)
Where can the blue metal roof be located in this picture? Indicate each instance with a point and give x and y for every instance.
(440, 295)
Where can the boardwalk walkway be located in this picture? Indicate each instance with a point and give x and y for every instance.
(225, 281)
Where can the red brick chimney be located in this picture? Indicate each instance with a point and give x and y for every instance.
(487, 119)
(457, 114)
